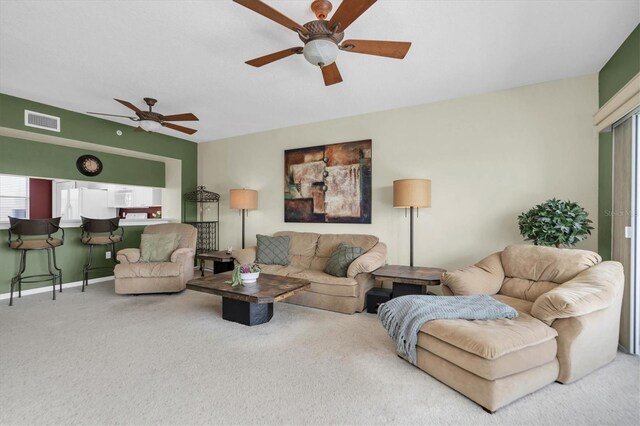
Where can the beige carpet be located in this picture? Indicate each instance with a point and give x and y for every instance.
(100, 358)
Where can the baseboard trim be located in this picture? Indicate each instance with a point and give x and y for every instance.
(46, 289)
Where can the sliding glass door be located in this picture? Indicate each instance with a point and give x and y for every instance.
(625, 225)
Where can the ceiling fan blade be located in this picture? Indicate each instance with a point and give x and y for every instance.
(390, 49)
(187, 116)
(113, 115)
(128, 105)
(267, 59)
(179, 128)
(331, 74)
(349, 11)
(138, 129)
(269, 12)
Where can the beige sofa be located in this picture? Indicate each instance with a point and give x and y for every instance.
(568, 303)
(135, 277)
(308, 255)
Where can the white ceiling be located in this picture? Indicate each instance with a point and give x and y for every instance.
(190, 55)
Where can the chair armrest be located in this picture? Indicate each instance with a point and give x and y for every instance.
(128, 255)
(247, 255)
(182, 255)
(485, 277)
(368, 262)
(591, 290)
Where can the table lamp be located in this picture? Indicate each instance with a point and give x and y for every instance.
(243, 200)
(410, 194)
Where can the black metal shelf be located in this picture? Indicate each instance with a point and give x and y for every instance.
(207, 229)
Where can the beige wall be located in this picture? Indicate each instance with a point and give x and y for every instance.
(489, 157)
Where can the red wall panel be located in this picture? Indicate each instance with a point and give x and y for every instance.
(39, 198)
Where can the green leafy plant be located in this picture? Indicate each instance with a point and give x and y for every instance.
(555, 223)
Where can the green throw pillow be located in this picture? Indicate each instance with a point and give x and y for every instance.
(158, 247)
(272, 250)
(340, 260)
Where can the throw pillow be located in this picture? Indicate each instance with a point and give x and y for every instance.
(272, 250)
(340, 259)
(158, 247)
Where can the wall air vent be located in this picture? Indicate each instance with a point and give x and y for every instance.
(41, 121)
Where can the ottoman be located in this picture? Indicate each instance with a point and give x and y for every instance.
(492, 362)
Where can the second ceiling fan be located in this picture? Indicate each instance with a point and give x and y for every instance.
(322, 38)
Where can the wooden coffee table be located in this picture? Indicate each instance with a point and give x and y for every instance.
(408, 279)
(249, 305)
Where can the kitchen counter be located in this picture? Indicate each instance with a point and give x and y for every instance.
(123, 223)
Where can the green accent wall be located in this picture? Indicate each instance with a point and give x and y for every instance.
(29, 157)
(24, 157)
(617, 72)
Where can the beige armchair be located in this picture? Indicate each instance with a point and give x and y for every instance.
(135, 277)
(568, 304)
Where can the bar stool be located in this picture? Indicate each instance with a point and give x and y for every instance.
(99, 232)
(35, 228)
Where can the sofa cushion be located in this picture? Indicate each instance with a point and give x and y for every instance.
(158, 247)
(491, 369)
(340, 259)
(535, 263)
(491, 339)
(485, 277)
(272, 250)
(148, 270)
(519, 305)
(188, 233)
(302, 247)
(327, 243)
(327, 284)
(284, 270)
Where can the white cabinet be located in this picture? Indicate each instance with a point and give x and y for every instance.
(134, 197)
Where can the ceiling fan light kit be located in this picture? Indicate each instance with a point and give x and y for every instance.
(322, 38)
(320, 52)
(151, 121)
(150, 125)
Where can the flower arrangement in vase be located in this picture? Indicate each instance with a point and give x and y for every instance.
(244, 274)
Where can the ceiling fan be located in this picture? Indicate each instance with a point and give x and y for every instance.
(150, 121)
(322, 38)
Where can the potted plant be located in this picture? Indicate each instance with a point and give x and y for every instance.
(555, 223)
(244, 274)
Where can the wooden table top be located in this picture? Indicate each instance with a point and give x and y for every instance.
(409, 274)
(268, 288)
(220, 256)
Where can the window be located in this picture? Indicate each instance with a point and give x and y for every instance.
(14, 197)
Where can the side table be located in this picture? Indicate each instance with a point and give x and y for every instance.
(408, 279)
(222, 261)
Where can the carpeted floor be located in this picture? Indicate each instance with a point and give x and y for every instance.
(100, 358)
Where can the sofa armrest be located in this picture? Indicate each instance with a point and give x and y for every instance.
(591, 290)
(485, 277)
(128, 255)
(246, 255)
(182, 255)
(370, 261)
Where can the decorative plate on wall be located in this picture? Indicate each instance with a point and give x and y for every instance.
(89, 165)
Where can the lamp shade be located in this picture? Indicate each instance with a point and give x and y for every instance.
(243, 199)
(411, 193)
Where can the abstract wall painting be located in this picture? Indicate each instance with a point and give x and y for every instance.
(328, 183)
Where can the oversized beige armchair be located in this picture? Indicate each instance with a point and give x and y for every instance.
(568, 304)
(136, 277)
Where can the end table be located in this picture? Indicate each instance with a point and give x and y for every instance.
(222, 261)
(408, 279)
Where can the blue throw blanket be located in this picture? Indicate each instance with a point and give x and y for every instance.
(404, 316)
